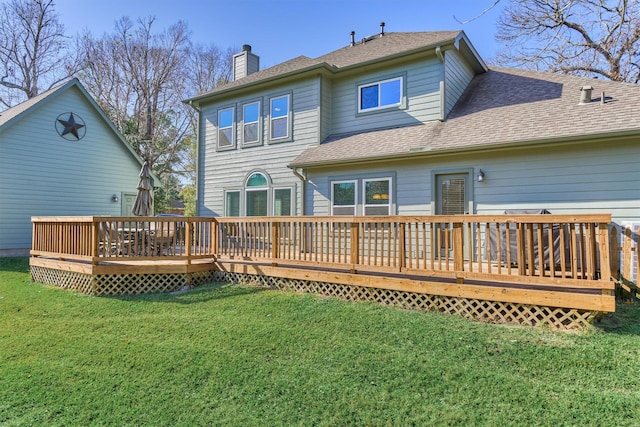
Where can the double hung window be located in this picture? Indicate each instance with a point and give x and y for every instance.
(343, 197)
(251, 123)
(279, 120)
(377, 196)
(225, 128)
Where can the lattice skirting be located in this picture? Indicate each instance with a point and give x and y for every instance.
(119, 284)
(490, 311)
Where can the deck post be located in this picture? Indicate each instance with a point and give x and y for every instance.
(95, 241)
(520, 247)
(614, 254)
(605, 263)
(214, 236)
(458, 247)
(275, 243)
(355, 245)
(187, 240)
(403, 248)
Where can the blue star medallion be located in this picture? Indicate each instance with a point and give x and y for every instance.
(71, 128)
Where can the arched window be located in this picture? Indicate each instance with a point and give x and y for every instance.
(257, 195)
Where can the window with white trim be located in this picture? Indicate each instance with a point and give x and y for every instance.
(343, 197)
(282, 202)
(225, 128)
(232, 203)
(257, 195)
(380, 95)
(377, 196)
(279, 117)
(251, 123)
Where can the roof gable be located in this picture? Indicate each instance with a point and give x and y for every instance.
(375, 49)
(15, 114)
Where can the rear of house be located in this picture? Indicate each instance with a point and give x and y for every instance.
(416, 124)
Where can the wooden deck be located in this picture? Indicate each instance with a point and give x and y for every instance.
(527, 264)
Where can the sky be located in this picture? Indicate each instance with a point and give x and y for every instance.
(279, 30)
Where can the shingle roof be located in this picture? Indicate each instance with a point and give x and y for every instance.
(499, 107)
(387, 46)
(10, 113)
(376, 49)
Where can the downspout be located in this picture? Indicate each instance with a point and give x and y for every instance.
(303, 179)
(440, 56)
(197, 158)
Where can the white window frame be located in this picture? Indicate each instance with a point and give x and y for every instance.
(389, 198)
(248, 190)
(355, 197)
(232, 127)
(273, 199)
(379, 84)
(256, 122)
(272, 119)
(226, 206)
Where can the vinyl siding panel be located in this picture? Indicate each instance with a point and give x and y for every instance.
(42, 174)
(225, 170)
(325, 108)
(585, 178)
(422, 96)
(457, 76)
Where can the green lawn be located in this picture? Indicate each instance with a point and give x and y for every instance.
(233, 355)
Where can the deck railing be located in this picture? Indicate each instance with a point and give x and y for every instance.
(99, 239)
(566, 250)
(571, 250)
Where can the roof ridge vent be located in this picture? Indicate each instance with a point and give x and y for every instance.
(375, 36)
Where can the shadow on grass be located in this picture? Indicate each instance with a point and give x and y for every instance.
(199, 294)
(624, 321)
(15, 265)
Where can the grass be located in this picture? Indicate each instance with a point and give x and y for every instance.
(231, 355)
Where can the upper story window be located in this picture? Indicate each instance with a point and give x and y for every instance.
(251, 123)
(225, 128)
(379, 95)
(280, 113)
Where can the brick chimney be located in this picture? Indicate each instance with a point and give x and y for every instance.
(245, 63)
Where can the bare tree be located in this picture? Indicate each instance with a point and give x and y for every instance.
(33, 50)
(598, 38)
(139, 79)
(209, 66)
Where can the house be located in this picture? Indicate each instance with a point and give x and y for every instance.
(60, 156)
(415, 124)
